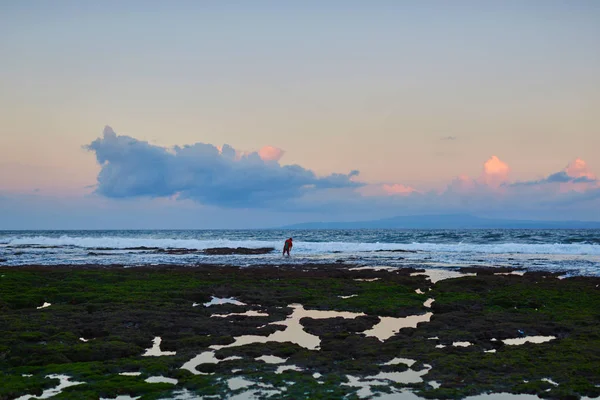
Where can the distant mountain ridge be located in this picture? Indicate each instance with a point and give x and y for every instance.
(447, 221)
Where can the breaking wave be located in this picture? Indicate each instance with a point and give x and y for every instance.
(323, 247)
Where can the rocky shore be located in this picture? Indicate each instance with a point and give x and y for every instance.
(307, 331)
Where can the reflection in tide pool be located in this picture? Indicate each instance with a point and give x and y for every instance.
(294, 331)
(436, 275)
(206, 357)
(271, 359)
(155, 350)
(389, 326)
(64, 382)
(250, 313)
(528, 339)
(161, 379)
(216, 301)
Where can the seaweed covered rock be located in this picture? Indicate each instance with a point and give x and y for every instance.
(238, 250)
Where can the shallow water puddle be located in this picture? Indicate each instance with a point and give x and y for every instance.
(436, 275)
(185, 394)
(161, 379)
(367, 279)
(399, 360)
(462, 344)
(294, 331)
(238, 383)
(155, 350)
(405, 377)
(217, 300)
(245, 314)
(389, 326)
(348, 297)
(503, 396)
(84, 340)
(206, 357)
(258, 392)
(45, 305)
(528, 339)
(550, 381)
(284, 368)
(252, 395)
(374, 268)
(121, 397)
(271, 359)
(365, 386)
(64, 383)
(382, 379)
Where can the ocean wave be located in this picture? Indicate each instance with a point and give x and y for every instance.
(123, 243)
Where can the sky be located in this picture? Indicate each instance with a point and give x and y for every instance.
(234, 114)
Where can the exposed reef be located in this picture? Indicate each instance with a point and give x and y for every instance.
(303, 331)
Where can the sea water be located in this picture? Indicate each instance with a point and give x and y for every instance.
(572, 252)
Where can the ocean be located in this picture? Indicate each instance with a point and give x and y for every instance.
(570, 252)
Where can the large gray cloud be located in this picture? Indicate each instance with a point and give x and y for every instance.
(202, 172)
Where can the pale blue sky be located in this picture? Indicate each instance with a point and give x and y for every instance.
(338, 85)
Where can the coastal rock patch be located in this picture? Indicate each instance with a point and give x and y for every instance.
(237, 250)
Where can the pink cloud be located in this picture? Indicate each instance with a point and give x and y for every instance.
(463, 183)
(494, 175)
(495, 172)
(579, 169)
(270, 153)
(398, 189)
(386, 189)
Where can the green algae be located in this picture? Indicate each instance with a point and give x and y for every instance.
(119, 311)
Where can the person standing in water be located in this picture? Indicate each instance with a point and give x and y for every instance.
(287, 246)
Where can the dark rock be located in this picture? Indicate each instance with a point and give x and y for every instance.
(486, 270)
(396, 251)
(178, 251)
(238, 250)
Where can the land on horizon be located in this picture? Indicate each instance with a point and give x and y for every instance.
(446, 221)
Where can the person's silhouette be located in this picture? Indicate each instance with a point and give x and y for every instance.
(287, 246)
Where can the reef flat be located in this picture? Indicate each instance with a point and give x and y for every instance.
(304, 331)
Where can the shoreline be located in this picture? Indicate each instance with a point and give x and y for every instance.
(457, 340)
